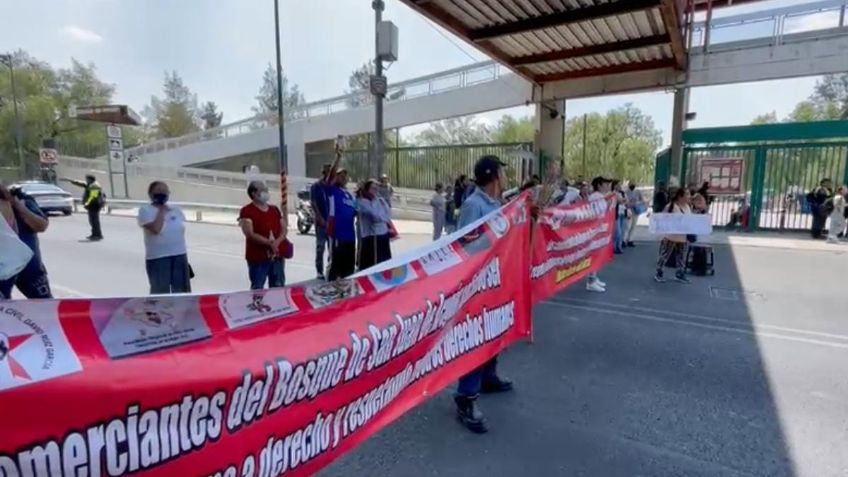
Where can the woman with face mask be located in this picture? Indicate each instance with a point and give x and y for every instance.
(264, 228)
(165, 248)
(374, 218)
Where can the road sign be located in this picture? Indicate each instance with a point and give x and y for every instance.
(48, 156)
(116, 144)
(117, 155)
(113, 132)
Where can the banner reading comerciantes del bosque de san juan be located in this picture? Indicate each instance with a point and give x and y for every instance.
(264, 383)
(571, 241)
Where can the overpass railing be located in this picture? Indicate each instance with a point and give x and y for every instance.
(769, 27)
(437, 83)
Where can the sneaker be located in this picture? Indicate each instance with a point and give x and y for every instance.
(601, 283)
(658, 277)
(682, 279)
(595, 286)
(496, 385)
(631, 244)
(469, 415)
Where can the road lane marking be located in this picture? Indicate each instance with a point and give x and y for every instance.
(678, 321)
(713, 319)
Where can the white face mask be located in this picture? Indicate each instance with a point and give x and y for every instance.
(264, 197)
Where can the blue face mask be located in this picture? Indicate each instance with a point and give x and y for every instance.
(160, 198)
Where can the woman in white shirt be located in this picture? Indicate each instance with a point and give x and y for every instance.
(675, 245)
(165, 249)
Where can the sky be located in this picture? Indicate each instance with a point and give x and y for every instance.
(221, 48)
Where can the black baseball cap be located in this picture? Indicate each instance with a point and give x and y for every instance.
(487, 168)
(597, 181)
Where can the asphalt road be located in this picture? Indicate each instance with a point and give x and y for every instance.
(750, 378)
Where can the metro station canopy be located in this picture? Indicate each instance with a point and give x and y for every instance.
(553, 40)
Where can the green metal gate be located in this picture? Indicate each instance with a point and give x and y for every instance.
(774, 183)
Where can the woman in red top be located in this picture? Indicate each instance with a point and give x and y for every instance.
(264, 228)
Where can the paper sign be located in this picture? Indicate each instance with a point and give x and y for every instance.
(681, 224)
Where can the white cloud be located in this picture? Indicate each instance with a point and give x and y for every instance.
(80, 34)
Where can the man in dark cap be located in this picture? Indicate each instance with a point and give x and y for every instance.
(486, 197)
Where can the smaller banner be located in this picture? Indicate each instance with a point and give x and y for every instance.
(571, 242)
(725, 175)
(681, 224)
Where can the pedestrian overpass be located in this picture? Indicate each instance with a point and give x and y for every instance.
(545, 57)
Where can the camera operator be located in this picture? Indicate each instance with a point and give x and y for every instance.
(24, 216)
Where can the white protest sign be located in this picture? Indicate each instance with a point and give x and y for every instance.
(681, 224)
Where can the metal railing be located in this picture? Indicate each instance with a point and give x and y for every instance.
(769, 26)
(433, 84)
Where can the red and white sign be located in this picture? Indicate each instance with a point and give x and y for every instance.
(48, 156)
(279, 383)
(570, 242)
(725, 175)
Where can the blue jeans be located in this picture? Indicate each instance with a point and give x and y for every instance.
(471, 383)
(168, 275)
(620, 223)
(271, 271)
(320, 245)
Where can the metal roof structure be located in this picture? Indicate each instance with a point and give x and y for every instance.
(553, 40)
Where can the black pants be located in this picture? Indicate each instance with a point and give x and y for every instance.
(819, 221)
(342, 259)
(373, 250)
(94, 221)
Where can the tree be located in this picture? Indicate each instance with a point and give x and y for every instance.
(768, 118)
(510, 129)
(177, 113)
(359, 85)
(831, 96)
(266, 100)
(453, 131)
(45, 96)
(622, 144)
(210, 115)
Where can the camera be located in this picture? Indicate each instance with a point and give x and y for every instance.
(18, 192)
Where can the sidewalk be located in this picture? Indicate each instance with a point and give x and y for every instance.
(785, 240)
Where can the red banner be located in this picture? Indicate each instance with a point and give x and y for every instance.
(570, 242)
(265, 383)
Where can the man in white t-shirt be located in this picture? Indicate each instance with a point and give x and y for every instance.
(165, 249)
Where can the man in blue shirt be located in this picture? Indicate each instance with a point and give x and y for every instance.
(318, 199)
(489, 178)
(341, 234)
(29, 221)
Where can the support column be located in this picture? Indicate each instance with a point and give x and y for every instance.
(681, 108)
(550, 134)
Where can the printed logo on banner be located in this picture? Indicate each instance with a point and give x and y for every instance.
(499, 224)
(476, 241)
(33, 346)
(140, 325)
(247, 308)
(393, 277)
(326, 294)
(440, 260)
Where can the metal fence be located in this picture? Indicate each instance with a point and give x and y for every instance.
(424, 167)
(775, 181)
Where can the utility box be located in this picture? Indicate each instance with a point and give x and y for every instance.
(387, 41)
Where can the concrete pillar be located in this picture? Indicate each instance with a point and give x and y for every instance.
(681, 108)
(550, 135)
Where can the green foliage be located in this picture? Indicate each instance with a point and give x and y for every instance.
(510, 129)
(210, 115)
(44, 97)
(621, 144)
(266, 100)
(454, 131)
(177, 113)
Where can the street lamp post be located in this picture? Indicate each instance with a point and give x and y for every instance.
(378, 93)
(284, 195)
(8, 61)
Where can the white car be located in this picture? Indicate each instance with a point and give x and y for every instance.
(49, 197)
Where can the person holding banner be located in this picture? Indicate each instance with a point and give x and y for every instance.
(674, 246)
(165, 250)
(488, 174)
(264, 228)
(341, 231)
(601, 186)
